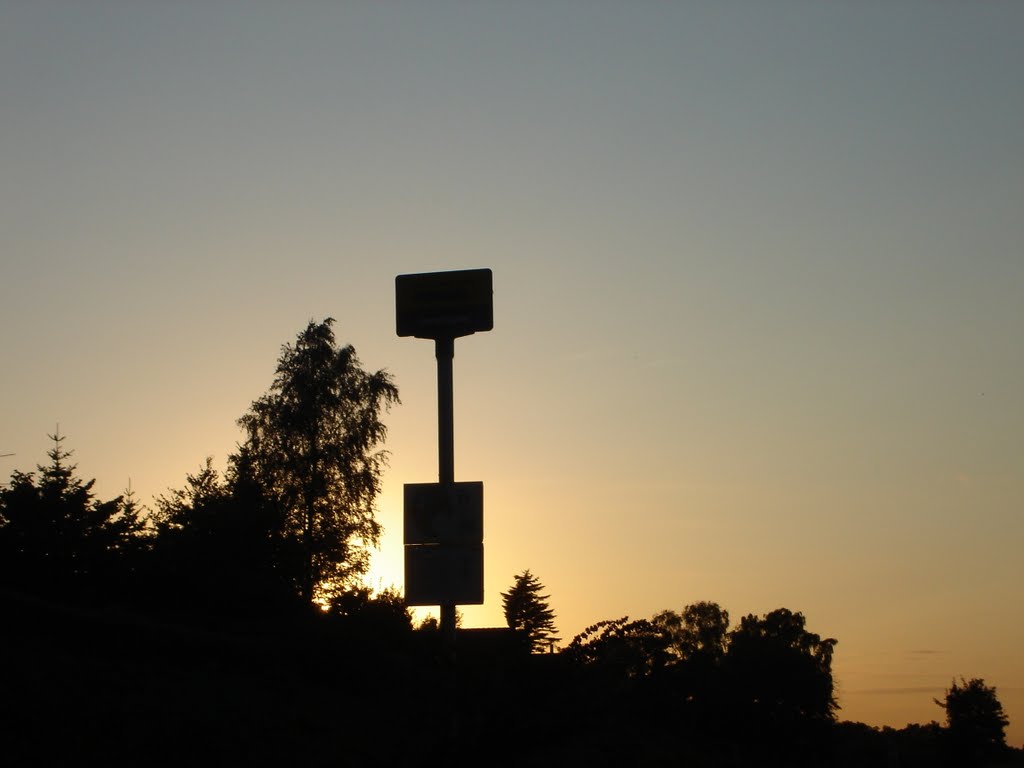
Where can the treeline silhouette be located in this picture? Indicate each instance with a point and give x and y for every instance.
(175, 634)
(228, 625)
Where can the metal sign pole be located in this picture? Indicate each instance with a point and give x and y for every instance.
(444, 555)
(444, 350)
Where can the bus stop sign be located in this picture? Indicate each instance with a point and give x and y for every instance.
(444, 305)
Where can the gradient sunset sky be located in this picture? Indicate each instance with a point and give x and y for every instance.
(758, 287)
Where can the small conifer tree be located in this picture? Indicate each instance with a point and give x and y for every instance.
(56, 538)
(526, 609)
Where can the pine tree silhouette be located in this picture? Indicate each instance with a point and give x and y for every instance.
(526, 609)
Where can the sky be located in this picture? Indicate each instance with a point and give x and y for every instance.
(758, 271)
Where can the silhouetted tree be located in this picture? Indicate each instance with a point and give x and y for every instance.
(526, 609)
(617, 689)
(702, 629)
(695, 690)
(311, 449)
(975, 723)
(185, 508)
(624, 649)
(138, 515)
(781, 681)
(218, 547)
(784, 667)
(915, 745)
(433, 623)
(56, 539)
(377, 619)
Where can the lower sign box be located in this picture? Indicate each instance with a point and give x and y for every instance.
(438, 574)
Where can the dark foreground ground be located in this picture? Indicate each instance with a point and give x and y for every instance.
(102, 687)
(87, 687)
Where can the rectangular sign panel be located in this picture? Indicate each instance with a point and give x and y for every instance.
(447, 513)
(436, 574)
(438, 305)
